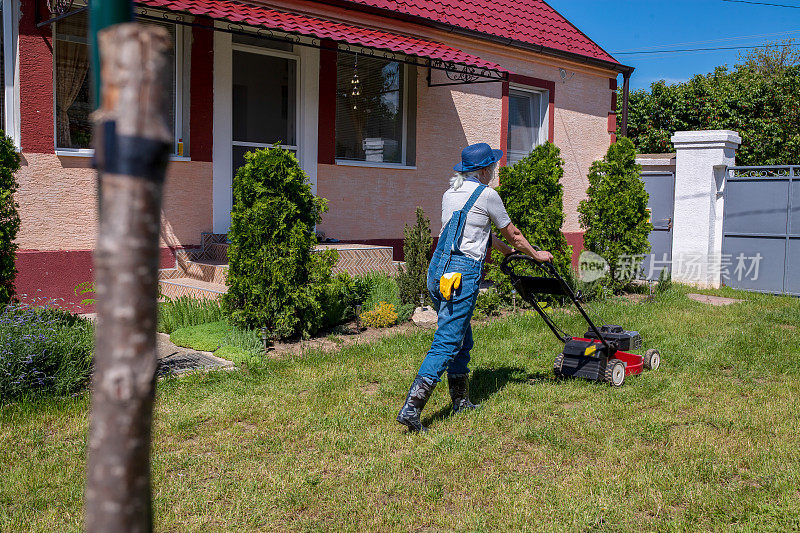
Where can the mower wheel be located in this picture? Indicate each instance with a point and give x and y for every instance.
(652, 359)
(559, 362)
(615, 372)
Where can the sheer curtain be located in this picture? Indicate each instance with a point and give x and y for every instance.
(72, 65)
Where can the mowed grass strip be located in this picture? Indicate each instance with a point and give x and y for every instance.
(707, 442)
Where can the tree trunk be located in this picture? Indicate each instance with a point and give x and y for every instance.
(132, 140)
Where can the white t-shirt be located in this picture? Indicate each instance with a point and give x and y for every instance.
(477, 229)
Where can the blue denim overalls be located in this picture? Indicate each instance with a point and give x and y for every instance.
(453, 339)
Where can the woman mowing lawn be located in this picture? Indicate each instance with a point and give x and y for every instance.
(455, 274)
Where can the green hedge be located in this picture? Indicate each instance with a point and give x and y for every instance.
(9, 218)
(614, 215)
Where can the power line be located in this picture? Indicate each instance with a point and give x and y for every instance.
(682, 50)
(761, 3)
(739, 38)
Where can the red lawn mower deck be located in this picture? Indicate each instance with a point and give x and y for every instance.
(598, 355)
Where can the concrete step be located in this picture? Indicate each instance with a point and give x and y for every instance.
(194, 288)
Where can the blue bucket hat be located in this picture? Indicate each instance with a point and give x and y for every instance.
(477, 156)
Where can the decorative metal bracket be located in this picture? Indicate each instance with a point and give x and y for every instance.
(462, 74)
(60, 7)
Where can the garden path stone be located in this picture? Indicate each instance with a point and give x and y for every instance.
(713, 300)
(173, 359)
(425, 317)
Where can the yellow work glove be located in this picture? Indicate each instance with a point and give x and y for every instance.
(449, 282)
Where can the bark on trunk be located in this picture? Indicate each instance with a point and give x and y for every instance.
(132, 140)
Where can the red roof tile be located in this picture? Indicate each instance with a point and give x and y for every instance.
(530, 21)
(296, 23)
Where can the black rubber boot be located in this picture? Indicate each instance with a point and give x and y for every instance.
(418, 395)
(459, 392)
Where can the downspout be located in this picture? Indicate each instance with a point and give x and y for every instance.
(626, 78)
(102, 14)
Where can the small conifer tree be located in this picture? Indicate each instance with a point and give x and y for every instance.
(9, 218)
(533, 196)
(614, 215)
(275, 280)
(412, 279)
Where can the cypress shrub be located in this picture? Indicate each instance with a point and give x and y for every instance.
(9, 218)
(614, 215)
(275, 280)
(412, 279)
(532, 193)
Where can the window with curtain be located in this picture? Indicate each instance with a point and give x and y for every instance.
(374, 112)
(3, 125)
(524, 123)
(73, 94)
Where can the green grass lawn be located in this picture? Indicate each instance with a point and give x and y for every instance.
(710, 441)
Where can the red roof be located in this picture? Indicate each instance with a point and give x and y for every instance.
(530, 21)
(298, 24)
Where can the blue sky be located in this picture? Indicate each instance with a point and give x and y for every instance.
(628, 25)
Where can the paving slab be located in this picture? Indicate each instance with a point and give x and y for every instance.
(713, 300)
(173, 359)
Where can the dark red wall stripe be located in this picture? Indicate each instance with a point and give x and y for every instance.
(36, 73)
(326, 143)
(504, 125)
(201, 120)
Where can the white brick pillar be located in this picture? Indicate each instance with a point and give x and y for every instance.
(701, 159)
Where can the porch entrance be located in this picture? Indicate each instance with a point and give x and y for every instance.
(265, 100)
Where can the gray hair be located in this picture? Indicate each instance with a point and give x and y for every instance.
(457, 180)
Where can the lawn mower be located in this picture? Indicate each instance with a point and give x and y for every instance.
(599, 355)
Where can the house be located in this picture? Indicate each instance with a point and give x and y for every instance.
(375, 97)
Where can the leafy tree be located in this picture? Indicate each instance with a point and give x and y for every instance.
(412, 279)
(532, 193)
(275, 280)
(614, 215)
(9, 218)
(759, 98)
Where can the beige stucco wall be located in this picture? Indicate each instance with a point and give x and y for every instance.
(58, 203)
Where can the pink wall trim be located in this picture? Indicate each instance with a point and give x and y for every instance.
(612, 123)
(326, 130)
(201, 116)
(575, 239)
(36, 72)
(504, 125)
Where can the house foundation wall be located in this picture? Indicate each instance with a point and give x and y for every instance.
(57, 200)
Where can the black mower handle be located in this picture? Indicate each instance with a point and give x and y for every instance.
(506, 269)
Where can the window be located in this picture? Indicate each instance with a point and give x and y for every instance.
(265, 108)
(72, 87)
(375, 104)
(525, 123)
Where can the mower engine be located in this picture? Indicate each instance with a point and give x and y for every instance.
(623, 340)
(582, 358)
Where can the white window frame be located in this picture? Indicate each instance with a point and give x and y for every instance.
(404, 155)
(294, 56)
(180, 68)
(544, 110)
(11, 71)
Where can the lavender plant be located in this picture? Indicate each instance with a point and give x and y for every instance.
(43, 351)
